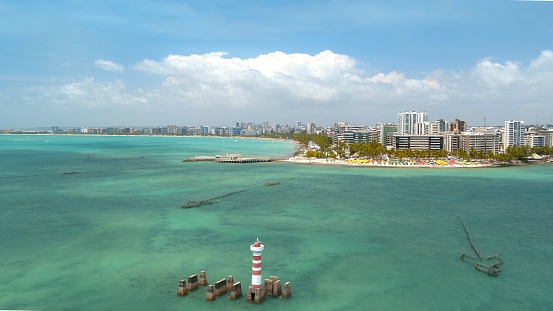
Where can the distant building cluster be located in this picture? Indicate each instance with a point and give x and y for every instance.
(413, 131)
(240, 129)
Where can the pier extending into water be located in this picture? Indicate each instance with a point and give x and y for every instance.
(230, 158)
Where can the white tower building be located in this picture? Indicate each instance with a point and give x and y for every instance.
(412, 122)
(514, 134)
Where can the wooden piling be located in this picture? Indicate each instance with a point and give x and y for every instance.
(211, 295)
(230, 282)
(220, 287)
(203, 279)
(192, 282)
(287, 292)
(277, 289)
(182, 288)
(236, 291)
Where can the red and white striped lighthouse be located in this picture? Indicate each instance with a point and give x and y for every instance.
(256, 249)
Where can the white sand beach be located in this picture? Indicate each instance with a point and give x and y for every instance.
(388, 163)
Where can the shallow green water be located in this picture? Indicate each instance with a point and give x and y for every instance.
(114, 236)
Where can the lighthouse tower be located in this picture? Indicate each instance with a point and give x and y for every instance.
(256, 292)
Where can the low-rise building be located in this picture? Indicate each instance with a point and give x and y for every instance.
(484, 141)
(350, 133)
(418, 142)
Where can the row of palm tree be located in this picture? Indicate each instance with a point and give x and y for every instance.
(374, 149)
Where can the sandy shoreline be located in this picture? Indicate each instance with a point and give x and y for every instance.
(387, 164)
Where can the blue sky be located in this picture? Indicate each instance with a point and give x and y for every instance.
(102, 63)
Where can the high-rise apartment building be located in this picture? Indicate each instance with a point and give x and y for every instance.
(171, 129)
(386, 133)
(412, 123)
(513, 134)
(458, 126)
(439, 126)
(311, 128)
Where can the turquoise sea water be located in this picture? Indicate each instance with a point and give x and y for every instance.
(113, 236)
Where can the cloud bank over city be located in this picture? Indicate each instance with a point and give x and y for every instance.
(320, 72)
(217, 89)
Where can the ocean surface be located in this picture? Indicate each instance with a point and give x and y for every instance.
(112, 234)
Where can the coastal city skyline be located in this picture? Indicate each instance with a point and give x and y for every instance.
(265, 123)
(412, 131)
(256, 127)
(189, 62)
(298, 125)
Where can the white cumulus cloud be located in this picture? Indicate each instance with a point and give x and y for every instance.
(216, 89)
(109, 65)
(330, 85)
(278, 79)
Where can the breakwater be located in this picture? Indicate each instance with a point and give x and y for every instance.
(194, 203)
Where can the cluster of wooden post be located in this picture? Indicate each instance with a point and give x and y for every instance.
(222, 286)
(213, 291)
(193, 283)
(271, 286)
